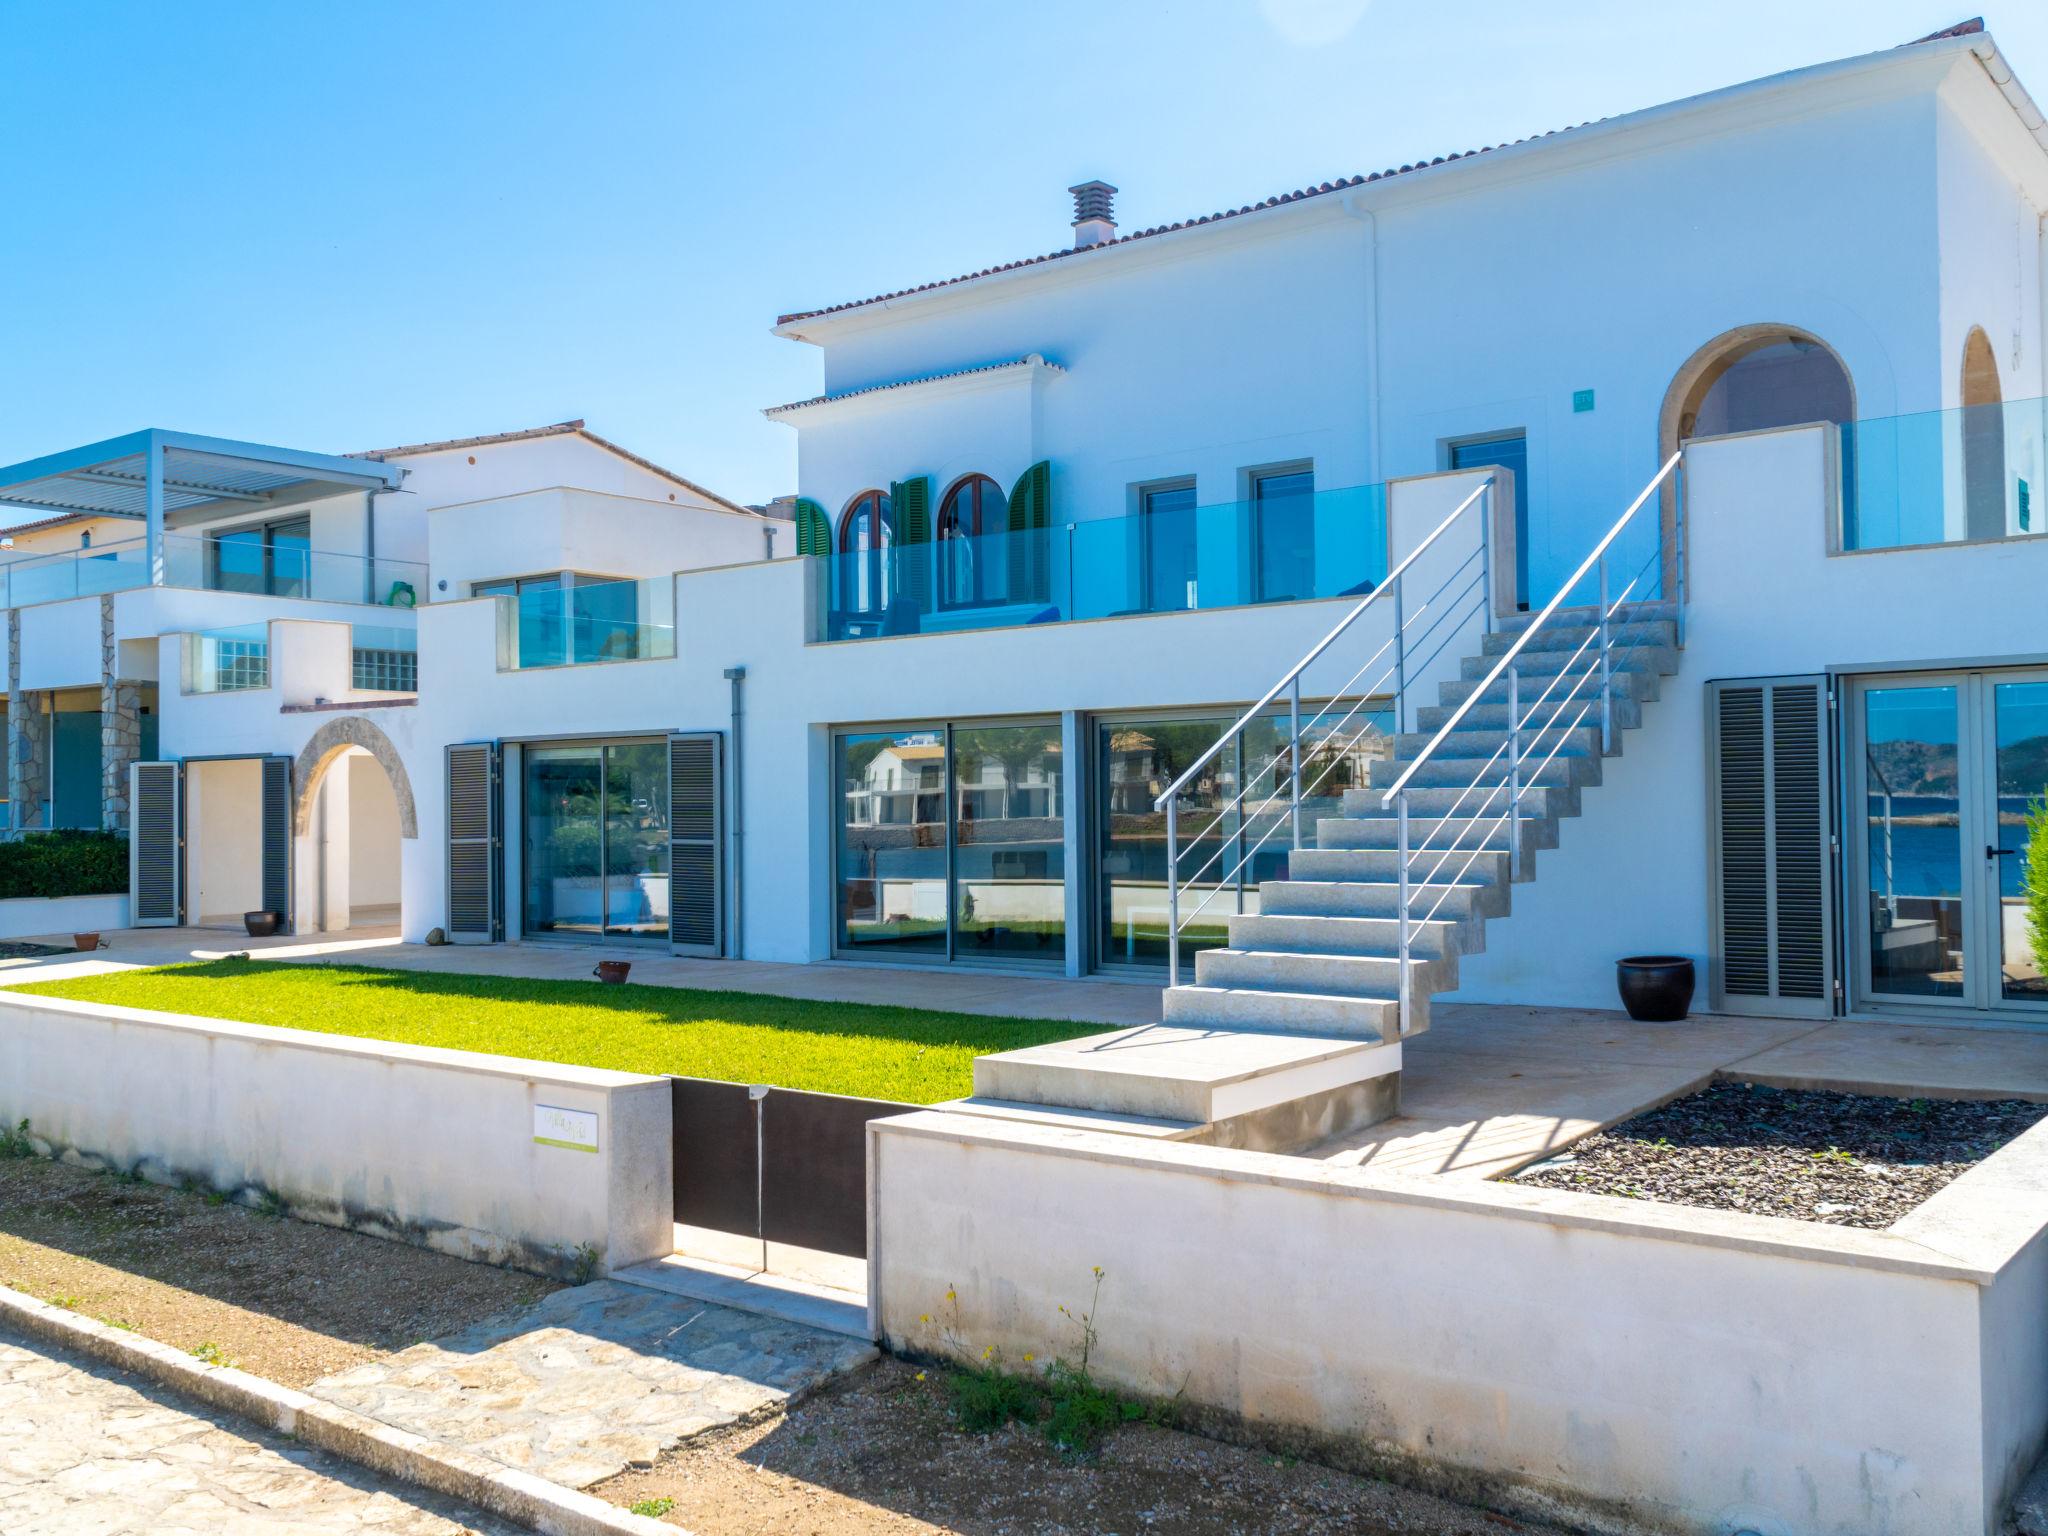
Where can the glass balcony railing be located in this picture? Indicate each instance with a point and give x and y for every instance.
(228, 660)
(1944, 477)
(587, 623)
(386, 658)
(1280, 549)
(208, 565)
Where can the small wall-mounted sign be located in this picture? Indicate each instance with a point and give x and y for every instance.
(1582, 400)
(575, 1129)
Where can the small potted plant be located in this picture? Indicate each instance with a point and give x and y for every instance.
(1655, 989)
(85, 942)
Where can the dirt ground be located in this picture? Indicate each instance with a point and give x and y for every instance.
(878, 1455)
(284, 1299)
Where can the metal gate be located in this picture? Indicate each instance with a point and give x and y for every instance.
(780, 1164)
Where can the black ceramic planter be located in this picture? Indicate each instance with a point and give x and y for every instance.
(1656, 989)
(261, 925)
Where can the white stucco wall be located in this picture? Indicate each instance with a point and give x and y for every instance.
(373, 840)
(1629, 1364)
(556, 529)
(431, 1147)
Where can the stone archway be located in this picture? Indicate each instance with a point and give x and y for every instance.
(330, 742)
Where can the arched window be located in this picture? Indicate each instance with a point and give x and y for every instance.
(1750, 379)
(1983, 440)
(974, 523)
(867, 538)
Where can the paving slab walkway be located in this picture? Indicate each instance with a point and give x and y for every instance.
(595, 1379)
(86, 1450)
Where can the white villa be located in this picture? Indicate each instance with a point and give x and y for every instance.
(1437, 584)
(1063, 521)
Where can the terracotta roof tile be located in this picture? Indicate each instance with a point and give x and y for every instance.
(928, 378)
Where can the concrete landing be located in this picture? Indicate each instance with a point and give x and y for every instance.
(1178, 1073)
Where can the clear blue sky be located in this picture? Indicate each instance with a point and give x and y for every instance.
(341, 226)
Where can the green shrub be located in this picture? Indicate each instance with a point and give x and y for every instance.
(70, 863)
(2034, 879)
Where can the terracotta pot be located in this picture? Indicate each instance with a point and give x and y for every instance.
(613, 971)
(261, 925)
(1656, 989)
(87, 941)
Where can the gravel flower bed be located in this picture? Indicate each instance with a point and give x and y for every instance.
(1850, 1159)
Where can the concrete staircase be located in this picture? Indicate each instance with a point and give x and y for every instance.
(1322, 954)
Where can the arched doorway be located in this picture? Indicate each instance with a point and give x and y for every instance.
(1983, 425)
(1750, 379)
(352, 809)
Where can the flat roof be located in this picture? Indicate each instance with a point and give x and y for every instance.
(110, 478)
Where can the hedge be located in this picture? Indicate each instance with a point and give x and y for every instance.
(64, 864)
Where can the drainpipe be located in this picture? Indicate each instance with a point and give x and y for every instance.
(736, 676)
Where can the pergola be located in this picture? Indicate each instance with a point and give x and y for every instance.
(153, 474)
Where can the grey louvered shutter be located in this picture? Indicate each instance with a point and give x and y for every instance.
(1771, 847)
(474, 870)
(696, 831)
(277, 840)
(156, 844)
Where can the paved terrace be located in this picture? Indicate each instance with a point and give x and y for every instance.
(1487, 1089)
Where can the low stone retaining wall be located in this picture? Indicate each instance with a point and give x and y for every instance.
(560, 1170)
(1622, 1364)
(24, 917)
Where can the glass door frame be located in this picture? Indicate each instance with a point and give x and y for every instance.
(528, 934)
(1982, 999)
(839, 949)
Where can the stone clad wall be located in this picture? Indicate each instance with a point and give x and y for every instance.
(120, 725)
(28, 740)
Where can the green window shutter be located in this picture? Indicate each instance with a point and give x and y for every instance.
(1030, 521)
(813, 528)
(912, 501)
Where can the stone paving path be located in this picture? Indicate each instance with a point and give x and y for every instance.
(86, 1450)
(594, 1380)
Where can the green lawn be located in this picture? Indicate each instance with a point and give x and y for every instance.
(914, 1055)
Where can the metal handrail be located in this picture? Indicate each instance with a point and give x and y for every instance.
(1508, 656)
(1294, 672)
(1514, 783)
(1290, 682)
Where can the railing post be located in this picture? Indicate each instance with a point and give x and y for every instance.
(1400, 662)
(1172, 896)
(1486, 555)
(1294, 756)
(1401, 868)
(1678, 519)
(1606, 669)
(1514, 771)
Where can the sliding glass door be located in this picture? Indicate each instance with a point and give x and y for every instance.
(1945, 771)
(1228, 841)
(950, 843)
(595, 850)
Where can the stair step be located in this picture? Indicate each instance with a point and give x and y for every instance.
(1435, 801)
(1532, 663)
(1649, 610)
(1460, 772)
(1569, 637)
(1319, 934)
(1464, 897)
(1482, 741)
(1259, 970)
(1431, 718)
(1639, 685)
(1362, 1018)
(1473, 861)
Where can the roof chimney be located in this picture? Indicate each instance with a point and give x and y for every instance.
(1094, 213)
